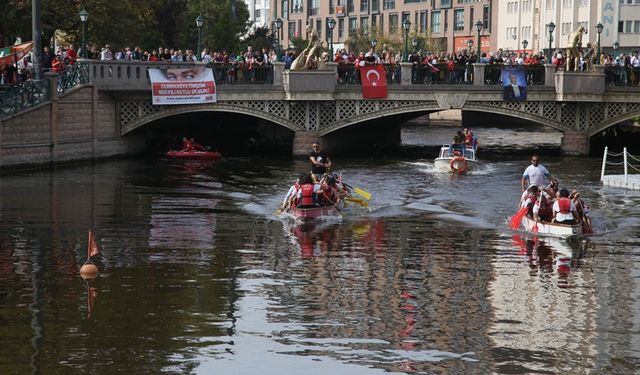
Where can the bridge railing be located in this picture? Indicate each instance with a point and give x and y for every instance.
(248, 74)
(442, 74)
(23, 96)
(535, 74)
(348, 74)
(626, 76)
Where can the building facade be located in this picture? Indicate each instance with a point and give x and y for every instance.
(528, 20)
(259, 13)
(452, 23)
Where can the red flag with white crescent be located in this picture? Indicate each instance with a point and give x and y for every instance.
(374, 81)
(92, 246)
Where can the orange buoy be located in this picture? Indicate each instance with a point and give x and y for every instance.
(88, 271)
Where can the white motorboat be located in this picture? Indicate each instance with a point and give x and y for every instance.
(455, 162)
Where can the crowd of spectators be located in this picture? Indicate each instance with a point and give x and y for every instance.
(246, 65)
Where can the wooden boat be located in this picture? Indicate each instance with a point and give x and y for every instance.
(551, 229)
(211, 155)
(456, 162)
(313, 213)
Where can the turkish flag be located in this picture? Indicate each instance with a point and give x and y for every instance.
(374, 81)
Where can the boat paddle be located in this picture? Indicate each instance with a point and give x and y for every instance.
(517, 218)
(361, 202)
(332, 202)
(363, 193)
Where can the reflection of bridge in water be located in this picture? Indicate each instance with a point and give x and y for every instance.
(110, 100)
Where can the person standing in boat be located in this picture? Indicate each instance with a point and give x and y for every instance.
(564, 210)
(458, 143)
(535, 174)
(320, 162)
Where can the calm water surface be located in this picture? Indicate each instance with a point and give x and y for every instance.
(198, 276)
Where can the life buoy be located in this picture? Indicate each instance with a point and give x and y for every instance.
(458, 164)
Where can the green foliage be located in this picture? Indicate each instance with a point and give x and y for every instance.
(260, 37)
(360, 41)
(148, 24)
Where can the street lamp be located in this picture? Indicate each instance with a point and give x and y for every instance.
(599, 28)
(199, 23)
(525, 43)
(278, 24)
(469, 45)
(616, 45)
(550, 27)
(406, 24)
(331, 24)
(84, 17)
(414, 43)
(478, 29)
(374, 43)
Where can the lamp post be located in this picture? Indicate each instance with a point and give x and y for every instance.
(278, 25)
(374, 43)
(550, 27)
(599, 28)
(478, 29)
(331, 24)
(199, 23)
(414, 43)
(84, 17)
(616, 45)
(525, 43)
(469, 45)
(406, 24)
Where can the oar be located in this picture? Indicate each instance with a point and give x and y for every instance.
(358, 201)
(364, 194)
(535, 227)
(332, 202)
(515, 219)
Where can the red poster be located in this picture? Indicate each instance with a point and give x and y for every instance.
(374, 82)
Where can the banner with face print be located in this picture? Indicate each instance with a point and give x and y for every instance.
(188, 85)
(374, 81)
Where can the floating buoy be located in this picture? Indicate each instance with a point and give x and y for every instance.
(88, 271)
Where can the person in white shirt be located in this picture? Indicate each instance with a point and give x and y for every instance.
(535, 174)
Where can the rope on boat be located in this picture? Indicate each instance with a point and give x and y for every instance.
(626, 162)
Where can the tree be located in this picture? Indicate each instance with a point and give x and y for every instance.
(260, 37)
(225, 22)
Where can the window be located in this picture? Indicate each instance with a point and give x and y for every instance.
(636, 27)
(411, 1)
(566, 4)
(566, 28)
(340, 28)
(393, 23)
(285, 9)
(256, 15)
(364, 6)
(319, 28)
(445, 4)
(584, 24)
(364, 23)
(353, 25)
(350, 6)
(332, 7)
(423, 21)
(313, 7)
(446, 20)
(298, 6)
(584, 3)
(620, 26)
(551, 4)
(375, 5)
(292, 30)
(389, 4)
(435, 22)
(458, 20)
(628, 26)
(471, 18)
(486, 18)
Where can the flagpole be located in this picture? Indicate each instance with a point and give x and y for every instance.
(89, 247)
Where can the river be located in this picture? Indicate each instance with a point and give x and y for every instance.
(198, 276)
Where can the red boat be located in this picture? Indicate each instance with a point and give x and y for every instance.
(210, 155)
(312, 213)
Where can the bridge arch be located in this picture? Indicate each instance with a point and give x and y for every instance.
(516, 110)
(163, 112)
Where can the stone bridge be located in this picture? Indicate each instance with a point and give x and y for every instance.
(116, 100)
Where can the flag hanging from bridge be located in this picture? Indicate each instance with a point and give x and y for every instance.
(374, 81)
(188, 85)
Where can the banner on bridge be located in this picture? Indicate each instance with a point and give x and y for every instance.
(192, 85)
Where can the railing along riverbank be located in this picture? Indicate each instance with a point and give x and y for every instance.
(621, 159)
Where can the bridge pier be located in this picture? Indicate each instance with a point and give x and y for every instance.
(575, 143)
